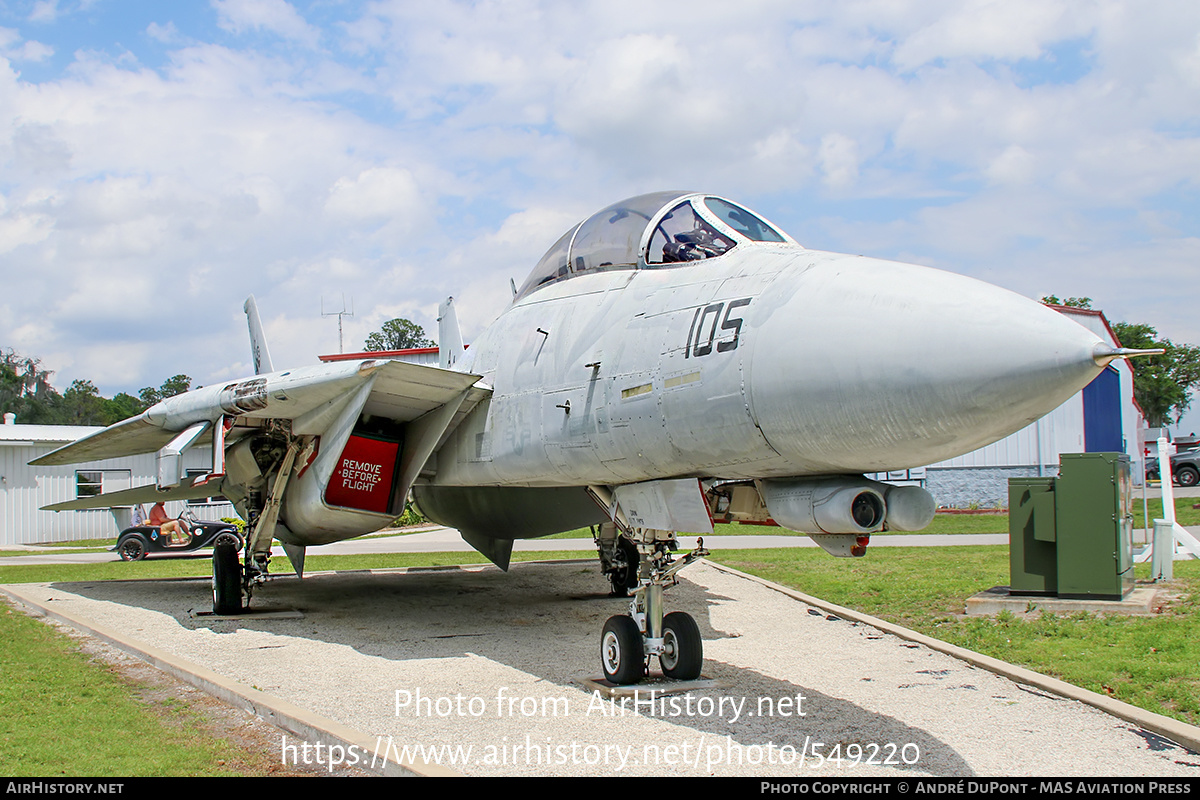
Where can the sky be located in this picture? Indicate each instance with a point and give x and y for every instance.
(159, 162)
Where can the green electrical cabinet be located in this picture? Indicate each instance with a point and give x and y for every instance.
(1032, 554)
(1071, 536)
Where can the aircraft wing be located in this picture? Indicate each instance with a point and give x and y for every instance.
(128, 437)
(400, 390)
(188, 490)
(404, 391)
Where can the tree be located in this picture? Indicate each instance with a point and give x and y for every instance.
(1070, 302)
(25, 389)
(82, 404)
(177, 384)
(398, 334)
(121, 406)
(1161, 384)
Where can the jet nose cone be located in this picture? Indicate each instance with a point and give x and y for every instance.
(865, 365)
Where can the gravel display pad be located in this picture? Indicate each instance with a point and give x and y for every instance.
(483, 672)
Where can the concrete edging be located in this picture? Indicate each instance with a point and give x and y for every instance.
(277, 711)
(1181, 733)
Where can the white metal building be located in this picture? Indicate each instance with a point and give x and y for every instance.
(25, 489)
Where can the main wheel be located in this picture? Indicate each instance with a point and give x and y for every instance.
(228, 537)
(227, 580)
(622, 651)
(624, 573)
(132, 549)
(1187, 476)
(683, 649)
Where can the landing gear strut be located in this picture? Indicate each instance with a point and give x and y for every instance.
(234, 583)
(628, 641)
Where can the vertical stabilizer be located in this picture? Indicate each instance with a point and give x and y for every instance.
(258, 339)
(450, 343)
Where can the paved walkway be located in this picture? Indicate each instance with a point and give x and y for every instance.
(448, 540)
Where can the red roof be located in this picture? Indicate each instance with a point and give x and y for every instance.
(411, 351)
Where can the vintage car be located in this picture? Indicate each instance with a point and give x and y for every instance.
(137, 542)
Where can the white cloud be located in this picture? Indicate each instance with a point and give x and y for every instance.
(167, 34)
(44, 11)
(992, 29)
(440, 148)
(12, 48)
(23, 229)
(1014, 165)
(378, 192)
(839, 160)
(276, 16)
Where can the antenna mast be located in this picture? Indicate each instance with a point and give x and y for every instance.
(339, 315)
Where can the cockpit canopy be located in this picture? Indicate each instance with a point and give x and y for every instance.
(651, 231)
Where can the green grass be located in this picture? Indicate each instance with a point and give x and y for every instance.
(1184, 513)
(84, 543)
(65, 714)
(1145, 661)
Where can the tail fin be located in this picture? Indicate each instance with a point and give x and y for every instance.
(450, 343)
(258, 339)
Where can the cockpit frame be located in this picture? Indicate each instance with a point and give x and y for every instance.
(592, 246)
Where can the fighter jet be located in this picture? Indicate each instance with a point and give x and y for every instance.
(673, 360)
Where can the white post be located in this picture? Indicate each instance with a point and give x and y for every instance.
(1180, 536)
(1162, 568)
(1164, 476)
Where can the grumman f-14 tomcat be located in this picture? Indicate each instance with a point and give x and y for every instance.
(674, 359)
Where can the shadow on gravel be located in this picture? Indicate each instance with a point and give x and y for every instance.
(545, 620)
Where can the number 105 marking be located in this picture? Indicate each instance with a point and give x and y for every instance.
(703, 346)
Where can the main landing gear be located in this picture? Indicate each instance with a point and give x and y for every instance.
(233, 582)
(629, 641)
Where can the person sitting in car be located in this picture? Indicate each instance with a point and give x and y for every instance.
(175, 530)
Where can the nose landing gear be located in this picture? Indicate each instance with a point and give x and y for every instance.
(629, 641)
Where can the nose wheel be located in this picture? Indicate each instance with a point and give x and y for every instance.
(622, 652)
(683, 649)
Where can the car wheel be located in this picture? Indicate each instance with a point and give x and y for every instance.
(132, 549)
(1187, 476)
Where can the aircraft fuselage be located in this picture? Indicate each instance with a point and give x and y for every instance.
(768, 361)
